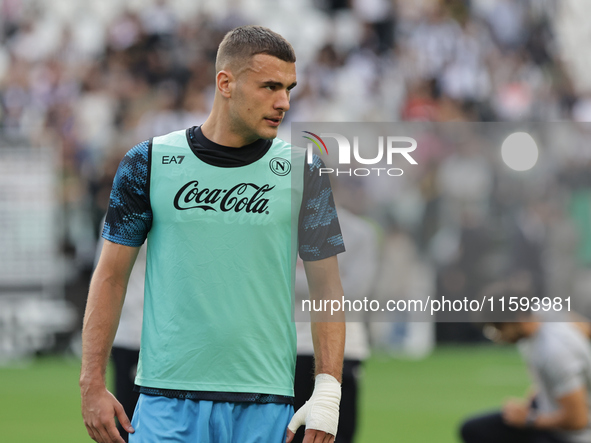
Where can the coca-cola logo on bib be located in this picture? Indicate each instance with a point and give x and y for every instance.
(246, 197)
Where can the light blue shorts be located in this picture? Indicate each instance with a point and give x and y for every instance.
(160, 419)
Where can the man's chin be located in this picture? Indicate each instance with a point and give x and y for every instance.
(268, 133)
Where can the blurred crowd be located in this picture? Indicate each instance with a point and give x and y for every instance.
(92, 81)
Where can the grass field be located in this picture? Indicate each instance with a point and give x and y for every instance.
(402, 401)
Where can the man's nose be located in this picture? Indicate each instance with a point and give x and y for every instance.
(282, 101)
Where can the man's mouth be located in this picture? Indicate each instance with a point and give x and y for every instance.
(273, 121)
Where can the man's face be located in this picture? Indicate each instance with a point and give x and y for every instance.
(260, 97)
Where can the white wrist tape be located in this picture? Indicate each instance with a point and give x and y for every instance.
(321, 412)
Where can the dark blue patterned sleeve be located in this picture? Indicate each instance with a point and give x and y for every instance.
(319, 230)
(129, 217)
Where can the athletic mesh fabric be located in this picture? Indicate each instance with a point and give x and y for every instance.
(129, 216)
(319, 232)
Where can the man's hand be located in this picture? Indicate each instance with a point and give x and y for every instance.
(320, 414)
(312, 436)
(99, 409)
(516, 413)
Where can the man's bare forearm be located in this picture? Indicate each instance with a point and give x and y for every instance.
(101, 319)
(559, 420)
(103, 309)
(572, 414)
(328, 328)
(329, 344)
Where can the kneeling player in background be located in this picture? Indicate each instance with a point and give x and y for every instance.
(559, 358)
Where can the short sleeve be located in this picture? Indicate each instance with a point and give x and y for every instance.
(563, 372)
(319, 231)
(129, 217)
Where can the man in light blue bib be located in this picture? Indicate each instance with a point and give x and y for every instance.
(226, 208)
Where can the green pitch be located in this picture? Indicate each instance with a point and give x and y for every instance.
(426, 400)
(402, 401)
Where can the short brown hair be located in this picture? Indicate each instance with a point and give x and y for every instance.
(244, 42)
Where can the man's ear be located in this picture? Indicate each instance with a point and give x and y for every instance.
(224, 80)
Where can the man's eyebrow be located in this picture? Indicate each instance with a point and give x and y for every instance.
(279, 84)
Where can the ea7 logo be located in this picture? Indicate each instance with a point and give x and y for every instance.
(394, 145)
(176, 159)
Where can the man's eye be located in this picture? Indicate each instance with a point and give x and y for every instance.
(270, 87)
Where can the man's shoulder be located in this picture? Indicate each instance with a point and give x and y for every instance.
(137, 158)
(560, 343)
(174, 137)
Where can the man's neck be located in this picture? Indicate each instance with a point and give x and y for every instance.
(218, 131)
